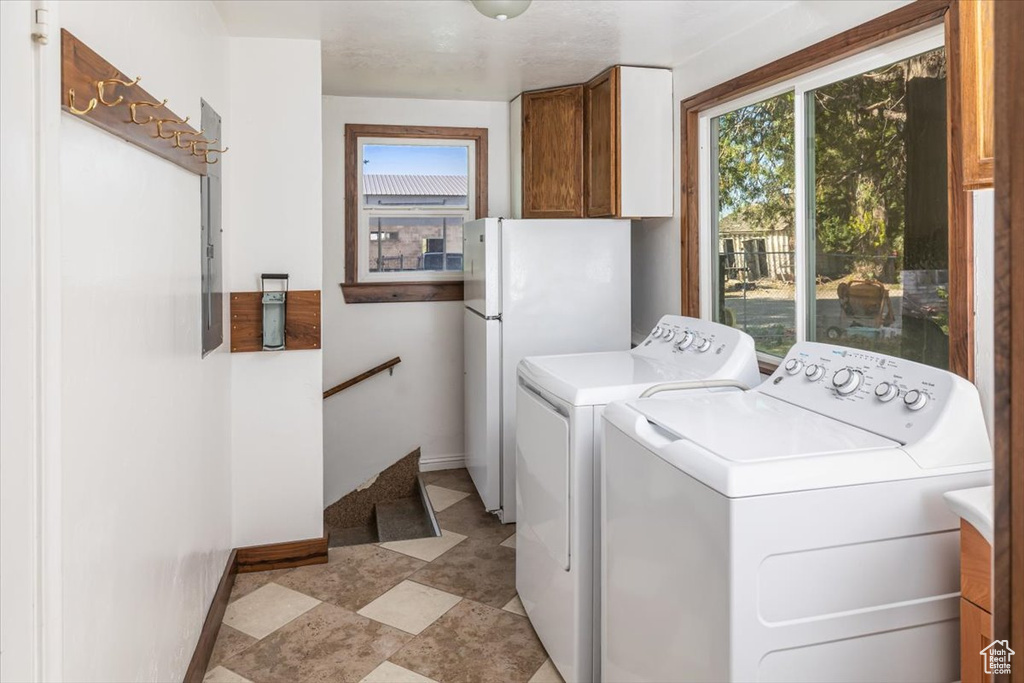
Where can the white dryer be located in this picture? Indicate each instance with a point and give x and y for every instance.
(794, 532)
(559, 404)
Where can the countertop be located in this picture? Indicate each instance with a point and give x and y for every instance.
(974, 505)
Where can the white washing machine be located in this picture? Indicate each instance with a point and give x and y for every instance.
(559, 404)
(794, 532)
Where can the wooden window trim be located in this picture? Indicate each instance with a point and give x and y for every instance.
(886, 28)
(1008, 444)
(356, 292)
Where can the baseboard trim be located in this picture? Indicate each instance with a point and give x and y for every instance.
(258, 558)
(211, 626)
(253, 558)
(442, 462)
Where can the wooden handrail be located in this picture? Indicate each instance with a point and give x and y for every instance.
(359, 378)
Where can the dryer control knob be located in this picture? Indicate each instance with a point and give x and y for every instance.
(915, 400)
(885, 391)
(814, 372)
(846, 381)
(685, 341)
(669, 335)
(703, 345)
(793, 366)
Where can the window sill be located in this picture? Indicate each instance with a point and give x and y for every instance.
(397, 292)
(767, 367)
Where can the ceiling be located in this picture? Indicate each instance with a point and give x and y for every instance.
(445, 49)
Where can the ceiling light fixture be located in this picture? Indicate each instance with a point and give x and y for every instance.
(501, 10)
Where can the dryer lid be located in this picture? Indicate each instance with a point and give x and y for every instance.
(584, 379)
(748, 427)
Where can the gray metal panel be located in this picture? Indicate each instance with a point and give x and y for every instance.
(210, 194)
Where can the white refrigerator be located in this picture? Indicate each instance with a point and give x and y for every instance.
(532, 287)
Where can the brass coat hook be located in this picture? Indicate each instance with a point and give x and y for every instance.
(161, 122)
(101, 84)
(206, 154)
(201, 152)
(133, 105)
(71, 104)
(177, 139)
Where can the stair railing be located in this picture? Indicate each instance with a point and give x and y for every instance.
(387, 365)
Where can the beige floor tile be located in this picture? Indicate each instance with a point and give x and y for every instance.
(327, 644)
(410, 606)
(267, 609)
(392, 673)
(468, 517)
(354, 576)
(458, 480)
(442, 498)
(247, 582)
(474, 569)
(474, 643)
(515, 606)
(509, 542)
(229, 642)
(221, 675)
(547, 673)
(427, 549)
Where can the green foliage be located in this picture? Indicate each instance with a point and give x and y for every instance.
(859, 160)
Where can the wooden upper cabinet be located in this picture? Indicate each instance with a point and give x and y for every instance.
(977, 91)
(552, 153)
(601, 145)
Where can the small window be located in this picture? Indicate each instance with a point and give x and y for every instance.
(828, 202)
(413, 195)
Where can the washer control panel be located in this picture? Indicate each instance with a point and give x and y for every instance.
(891, 396)
(695, 342)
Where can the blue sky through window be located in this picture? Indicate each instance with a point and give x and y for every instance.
(415, 160)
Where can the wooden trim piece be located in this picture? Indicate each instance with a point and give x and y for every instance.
(398, 292)
(354, 131)
(975, 567)
(896, 24)
(975, 19)
(211, 626)
(1008, 590)
(387, 365)
(766, 367)
(690, 211)
(258, 558)
(81, 70)
(960, 215)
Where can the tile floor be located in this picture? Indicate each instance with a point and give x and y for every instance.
(437, 609)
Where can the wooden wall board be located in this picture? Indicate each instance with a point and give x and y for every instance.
(82, 67)
(302, 324)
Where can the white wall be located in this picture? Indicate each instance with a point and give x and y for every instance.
(656, 242)
(273, 224)
(145, 459)
(984, 299)
(373, 424)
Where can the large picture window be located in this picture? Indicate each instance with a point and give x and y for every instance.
(823, 206)
(408, 192)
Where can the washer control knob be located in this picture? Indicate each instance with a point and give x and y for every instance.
(703, 345)
(814, 372)
(846, 381)
(685, 341)
(793, 366)
(915, 400)
(656, 332)
(669, 335)
(885, 392)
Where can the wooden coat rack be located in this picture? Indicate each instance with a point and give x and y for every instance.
(97, 92)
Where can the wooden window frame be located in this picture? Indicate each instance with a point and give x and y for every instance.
(897, 24)
(356, 292)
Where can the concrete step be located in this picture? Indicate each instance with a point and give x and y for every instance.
(403, 519)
